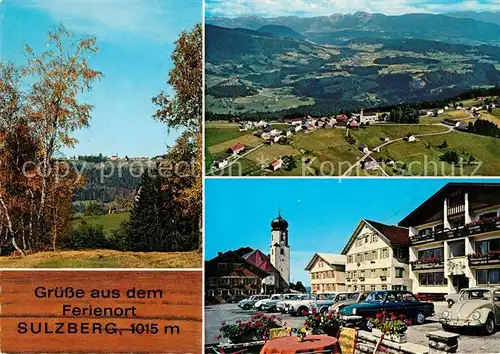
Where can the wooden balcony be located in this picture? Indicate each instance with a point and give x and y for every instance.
(477, 259)
(474, 228)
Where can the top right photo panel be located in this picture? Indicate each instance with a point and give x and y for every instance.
(352, 88)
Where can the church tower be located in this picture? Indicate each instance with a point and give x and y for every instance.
(280, 250)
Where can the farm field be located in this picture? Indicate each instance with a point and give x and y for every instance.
(371, 136)
(104, 259)
(426, 153)
(328, 153)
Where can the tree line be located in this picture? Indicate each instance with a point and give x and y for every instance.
(326, 108)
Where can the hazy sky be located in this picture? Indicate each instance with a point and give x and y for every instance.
(322, 213)
(309, 8)
(135, 41)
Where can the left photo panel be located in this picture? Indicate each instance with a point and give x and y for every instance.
(100, 134)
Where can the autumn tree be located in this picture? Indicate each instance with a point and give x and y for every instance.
(36, 189)
(184, 110)
(60, 74)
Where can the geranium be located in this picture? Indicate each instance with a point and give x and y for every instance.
(327, 322)
(390, 324)
(257, 327)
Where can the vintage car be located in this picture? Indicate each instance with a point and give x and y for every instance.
(270, 305)
(352, 298)
(398, 302)
(281, 306)
(299, 306)
(324, 301)
(477, 307)
(247, 304)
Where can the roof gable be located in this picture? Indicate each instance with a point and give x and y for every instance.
(390, 234)
(330, 258)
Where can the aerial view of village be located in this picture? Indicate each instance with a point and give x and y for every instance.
(413, 273)
(328, 93)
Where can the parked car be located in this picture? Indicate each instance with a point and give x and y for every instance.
(324, 301)
(270, 305)
(280, 306)
(477, 307)
(352, 298)
(247, 304)
(299, 306)
(392, 301)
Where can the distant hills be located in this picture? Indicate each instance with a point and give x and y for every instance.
(348, 62)
(280, 31)
(459, 27)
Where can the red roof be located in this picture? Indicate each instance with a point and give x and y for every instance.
(243, 272)
(342, 117)
(354, 123)
(395, 234)
(260, 260)
(276, 163)
(238, 147)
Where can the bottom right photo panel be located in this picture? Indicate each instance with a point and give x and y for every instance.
(352, 265)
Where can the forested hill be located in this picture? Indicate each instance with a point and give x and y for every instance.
(111, 180)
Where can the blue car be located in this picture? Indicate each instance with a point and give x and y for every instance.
(391, 301)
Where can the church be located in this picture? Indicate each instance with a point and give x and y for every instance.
(248, 271)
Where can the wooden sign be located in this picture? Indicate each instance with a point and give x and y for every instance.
(101, 311)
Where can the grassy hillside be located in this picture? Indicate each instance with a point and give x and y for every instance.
(104, 259)
(109, 221)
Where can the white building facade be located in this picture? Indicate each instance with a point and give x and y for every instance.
(327, 272)
(377, 258)
(455, 239)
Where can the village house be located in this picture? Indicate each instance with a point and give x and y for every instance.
(411, 139)
(262, 124)
(327, 272)
(298, 128)
(220, 163)
(363, 148)
(265, 136)
(385, 138)
(353, 123)
(236, 149)
(455, 239)
(274, 282)
(370, 165)
(440, 111)
(368, 117)
(377, 258)
(276, 165)
(229, 275)
(294, 121)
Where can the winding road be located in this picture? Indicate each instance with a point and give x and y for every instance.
(236, 159)
(368, 154)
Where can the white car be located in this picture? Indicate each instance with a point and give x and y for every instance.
(270, 305)
(282, 305)
(299, 306)
(247, 304)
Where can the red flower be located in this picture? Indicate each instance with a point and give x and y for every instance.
(379, 316)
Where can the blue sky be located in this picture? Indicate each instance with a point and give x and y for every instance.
(135, 41)
(309, 8)
(322, 213)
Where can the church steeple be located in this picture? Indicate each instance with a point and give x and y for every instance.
(280, 249)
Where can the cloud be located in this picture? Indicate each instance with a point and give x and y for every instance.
(111, 19)
(309, 8)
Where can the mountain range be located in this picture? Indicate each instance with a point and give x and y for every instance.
(351, 61)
